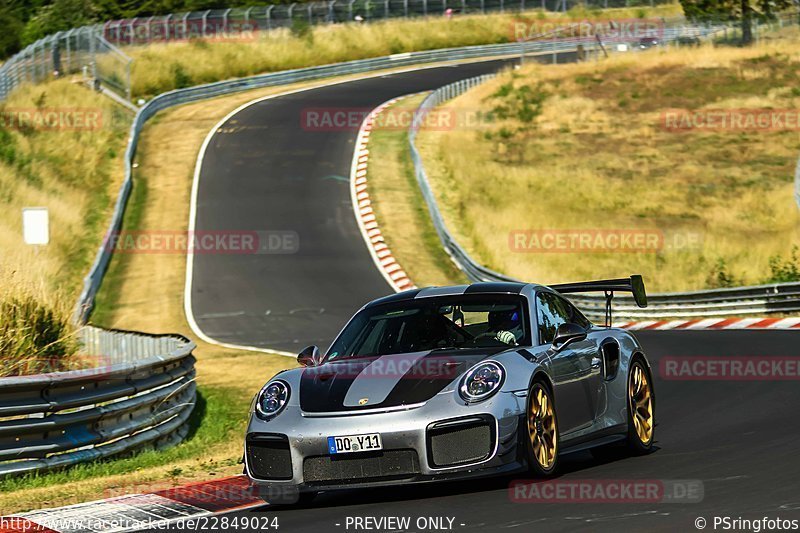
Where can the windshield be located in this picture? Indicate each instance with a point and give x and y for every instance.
(451, 322)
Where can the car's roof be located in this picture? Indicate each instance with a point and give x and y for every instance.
(489, 287)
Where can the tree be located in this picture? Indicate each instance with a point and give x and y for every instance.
(726, 10)
(11, 36)
(58, 16)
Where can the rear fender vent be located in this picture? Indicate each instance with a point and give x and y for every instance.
(610, 351)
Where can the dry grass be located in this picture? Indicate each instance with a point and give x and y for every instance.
(36, 335)
(398, 203)
(73, 172)
(601, 159)
(165, 66)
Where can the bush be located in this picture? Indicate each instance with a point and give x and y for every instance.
(784, 272)
(35, 337)
(721, 277)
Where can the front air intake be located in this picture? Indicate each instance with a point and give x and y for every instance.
(268, 456)
(354, 468)
(461, 441)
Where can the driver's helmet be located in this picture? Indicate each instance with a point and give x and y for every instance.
(503, 320)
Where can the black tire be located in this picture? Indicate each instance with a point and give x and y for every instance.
(637, 444)
(633, 444)
(541, 431)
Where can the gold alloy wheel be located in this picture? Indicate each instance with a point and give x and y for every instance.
(641, 402)
(542, 428)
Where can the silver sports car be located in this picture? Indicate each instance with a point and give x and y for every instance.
(445, 383)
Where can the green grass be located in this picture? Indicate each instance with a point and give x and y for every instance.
(108, 297)
(397, 201)
(219, 415)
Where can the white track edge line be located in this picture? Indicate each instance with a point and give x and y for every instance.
(187, 290)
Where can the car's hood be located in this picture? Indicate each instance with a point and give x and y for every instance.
(386, 381)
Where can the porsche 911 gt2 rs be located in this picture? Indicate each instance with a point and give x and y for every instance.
(445, 383)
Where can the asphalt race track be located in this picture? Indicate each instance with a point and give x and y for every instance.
(739, 438)
(267, 170)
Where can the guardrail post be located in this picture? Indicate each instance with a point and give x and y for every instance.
(290, 13)
(166, 27)
(149, 24)
(386, 9)
(797, 183)
(268, 14)
(185, 24)
(501, 6)
(405, 8)
(425, 8)
(93, 57)
(483, 6)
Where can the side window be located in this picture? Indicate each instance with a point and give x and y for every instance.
(548, 316)
(553, 311)
(569, 312)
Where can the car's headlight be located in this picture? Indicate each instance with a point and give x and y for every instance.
(272, 398)
(481, 381)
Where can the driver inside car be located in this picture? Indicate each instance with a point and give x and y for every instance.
(506, 326)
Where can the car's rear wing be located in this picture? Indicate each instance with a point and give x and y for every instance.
(634, 285)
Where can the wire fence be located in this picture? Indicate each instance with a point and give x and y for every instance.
(96, 51)
(224, 23)
(80, 50)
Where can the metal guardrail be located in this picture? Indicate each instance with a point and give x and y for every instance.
(762, 299)
(59, 419)
(182, 96)
(94, 48)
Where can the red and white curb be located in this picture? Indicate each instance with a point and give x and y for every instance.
(362, 206)
(713, 323)
(140, 511)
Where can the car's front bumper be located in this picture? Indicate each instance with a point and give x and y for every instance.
(442, 439)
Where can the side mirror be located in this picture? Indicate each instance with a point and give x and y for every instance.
(567, 334)
(310, 356)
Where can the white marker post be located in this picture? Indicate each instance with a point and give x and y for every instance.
(36, 226)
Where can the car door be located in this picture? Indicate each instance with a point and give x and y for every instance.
(576, 370)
